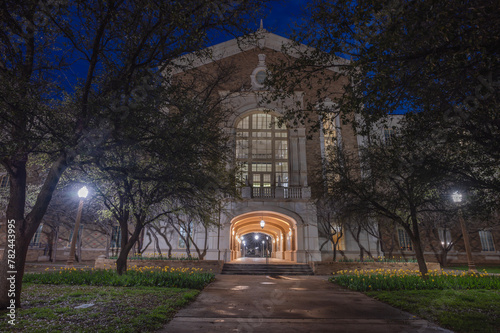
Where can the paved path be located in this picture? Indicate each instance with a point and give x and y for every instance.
(289, 304)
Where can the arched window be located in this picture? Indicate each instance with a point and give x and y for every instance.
(262, 150)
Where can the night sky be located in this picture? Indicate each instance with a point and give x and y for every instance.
(279, 18)
(282, 15)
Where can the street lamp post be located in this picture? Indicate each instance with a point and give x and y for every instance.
(82, 193)
(457, 198)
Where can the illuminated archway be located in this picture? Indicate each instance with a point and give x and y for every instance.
(282, 229)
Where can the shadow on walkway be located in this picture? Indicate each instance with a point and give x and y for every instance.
(290, 304)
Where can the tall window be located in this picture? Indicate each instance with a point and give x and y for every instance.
(115, 237)
(404, 240)
(388, 135)
(78, 237)
(186, 231)
(35, 241)
(328, 137)
(486, 241)
(262, 150)
(337, 237)
(328, 142)
(444, 237)
(4, 180)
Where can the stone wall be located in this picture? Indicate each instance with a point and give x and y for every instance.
(214, 266)
(480, 259)
(327, 268)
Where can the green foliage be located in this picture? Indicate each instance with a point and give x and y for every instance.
(50, 108)
(135, 277)
(379, 259)
(458, 310)
(489, 269)
(412, 280)
(52, 308)
(436, 63)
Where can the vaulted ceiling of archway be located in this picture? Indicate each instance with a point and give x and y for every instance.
(250, 222)
(271, 230)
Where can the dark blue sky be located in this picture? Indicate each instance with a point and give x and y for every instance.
(282, 15)
(279, 18)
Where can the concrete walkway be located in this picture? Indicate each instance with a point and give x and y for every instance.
(289, 304)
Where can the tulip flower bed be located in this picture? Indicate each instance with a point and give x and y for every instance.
(412, 280)
(379, 259)
(192, 278)
(156, 256)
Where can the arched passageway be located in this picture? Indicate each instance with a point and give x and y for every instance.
(278, 232)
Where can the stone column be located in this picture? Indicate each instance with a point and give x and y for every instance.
(302, 156)
(294, 159)
(246, 192)
(279, 192)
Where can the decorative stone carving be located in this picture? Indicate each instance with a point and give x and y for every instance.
(259, 74)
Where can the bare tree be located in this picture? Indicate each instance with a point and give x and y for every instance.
(161, 228)
(118, 42)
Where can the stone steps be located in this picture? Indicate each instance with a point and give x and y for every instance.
(262, 269)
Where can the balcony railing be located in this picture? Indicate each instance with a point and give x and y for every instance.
(278, 192)
(293, 192)
(263, 192)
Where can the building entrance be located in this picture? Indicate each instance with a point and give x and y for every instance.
(262, 234)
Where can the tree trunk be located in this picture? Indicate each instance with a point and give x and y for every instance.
(201, 254)
(417, 244)
(108, 240)
(205, 247)
(25, 228)
(440, 253)
(121, 262)
(444, 258)
(50, 243)
(156, 242)
(422, 266)
(165, 238)
(56, 237)
(362, 249)
(12, 270)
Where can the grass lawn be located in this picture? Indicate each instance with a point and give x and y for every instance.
(457, 300)
(51, 308)
(458, 310)
(489, 269)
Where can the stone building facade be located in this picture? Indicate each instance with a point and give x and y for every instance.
(277, 163)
